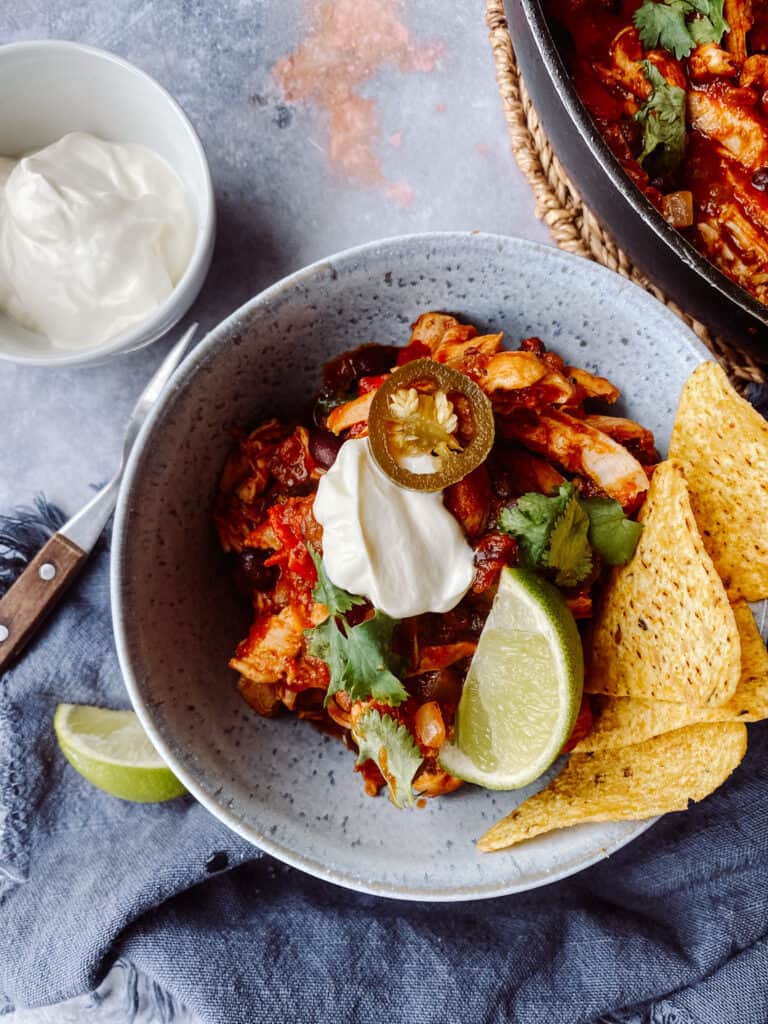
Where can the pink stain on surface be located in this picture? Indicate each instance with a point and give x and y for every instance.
(482, 149)
(400, 192)
(395, 139)
(350, 41)
(440, 108)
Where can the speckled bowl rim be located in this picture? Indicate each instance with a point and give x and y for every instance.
(218, 338)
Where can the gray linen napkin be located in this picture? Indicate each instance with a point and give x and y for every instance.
(674, 928)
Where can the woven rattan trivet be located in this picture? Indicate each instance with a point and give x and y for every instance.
(572, 225)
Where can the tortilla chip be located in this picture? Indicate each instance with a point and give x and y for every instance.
(655, 777)
(621, 721)
(664, 628)
(723, 445)
(752, 691)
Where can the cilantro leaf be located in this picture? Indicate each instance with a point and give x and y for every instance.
(664, 24)
(669, 24)
(569, 551)
(712, 26)
(387, 742)
(326, 592)
(532, 520)
(366, 671)
(359, 658)
(562, 531)
(717, 16)
(327, 642)
(610, 532)
(663, 119)
(702, 31)
(552, 533)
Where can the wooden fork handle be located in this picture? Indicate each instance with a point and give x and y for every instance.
(35, 593)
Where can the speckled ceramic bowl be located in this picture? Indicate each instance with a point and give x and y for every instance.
(280, 783)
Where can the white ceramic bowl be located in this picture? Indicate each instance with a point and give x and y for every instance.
(50, 88)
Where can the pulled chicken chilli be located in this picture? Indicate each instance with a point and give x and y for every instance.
(548, 433)
(679, 91)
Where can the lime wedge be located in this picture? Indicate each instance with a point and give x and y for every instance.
(523, 689)
(111, 750)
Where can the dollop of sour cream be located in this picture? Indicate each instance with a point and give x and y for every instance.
(401, 549)
(94, 236)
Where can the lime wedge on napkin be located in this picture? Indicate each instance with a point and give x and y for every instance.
(111, 750)
(523, 689)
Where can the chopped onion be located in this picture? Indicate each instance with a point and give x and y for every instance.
(677, 209)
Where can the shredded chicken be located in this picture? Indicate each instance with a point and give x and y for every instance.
(738, 14)
(592, 385)
(723, 116)
(457, 353)
(339, 714)
(262, 697)
(737, 244)
(433, 781)
(531, 473)
(469, 501)
(510, 371)
(636, 438)
(710, 61)
(271, 642)
(243, 481)
(580, 448)
(625, 72)
(350, 413)
(431, 328)
(754, 72)
(433, 658)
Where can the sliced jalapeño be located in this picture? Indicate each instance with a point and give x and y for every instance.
(425, 408)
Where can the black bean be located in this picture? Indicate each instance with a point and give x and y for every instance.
(760, 179)
(366, 361)
(371, 360)
(663, 182)
(423, 686)
(251, 574)
(324, 447)
(443, 685)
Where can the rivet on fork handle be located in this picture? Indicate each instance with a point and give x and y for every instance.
(35, 593)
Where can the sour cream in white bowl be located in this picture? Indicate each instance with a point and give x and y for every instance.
(107, 215)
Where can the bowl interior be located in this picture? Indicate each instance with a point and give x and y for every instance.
(50, 88)
(278, 782)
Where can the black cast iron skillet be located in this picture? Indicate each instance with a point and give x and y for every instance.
(663, 255)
